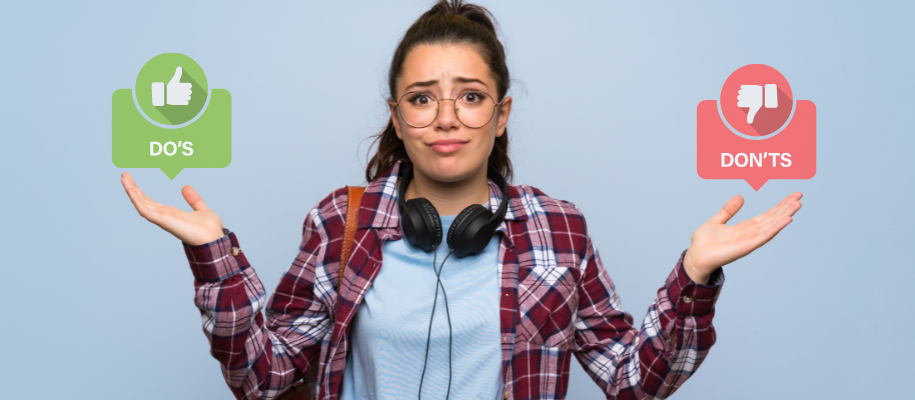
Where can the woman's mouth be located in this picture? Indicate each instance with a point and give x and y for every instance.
(447, 146)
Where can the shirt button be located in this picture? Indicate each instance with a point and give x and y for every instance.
(235, 251)
(505, 396)
(687, 299)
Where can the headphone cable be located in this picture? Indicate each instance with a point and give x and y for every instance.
(438, 278)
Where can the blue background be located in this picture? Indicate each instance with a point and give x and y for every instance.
(98, 302)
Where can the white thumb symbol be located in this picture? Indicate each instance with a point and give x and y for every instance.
(753, 110)
(178, 93)
(177, 77)
(750, 96)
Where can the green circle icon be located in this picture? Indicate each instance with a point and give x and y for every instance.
(171, 89)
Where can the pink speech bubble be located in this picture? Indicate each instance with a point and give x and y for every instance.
(775, 145)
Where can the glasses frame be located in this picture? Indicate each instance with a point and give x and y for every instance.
(438, 103)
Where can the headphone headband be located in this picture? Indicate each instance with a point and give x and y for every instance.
(471, 230)
(406, 174)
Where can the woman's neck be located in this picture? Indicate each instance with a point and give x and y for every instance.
(450, 198)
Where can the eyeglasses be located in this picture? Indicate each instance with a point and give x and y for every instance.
(419, 109)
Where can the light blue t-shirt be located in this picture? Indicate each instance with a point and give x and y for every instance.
(390, 326)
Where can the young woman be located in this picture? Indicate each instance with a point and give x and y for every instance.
(494, 287)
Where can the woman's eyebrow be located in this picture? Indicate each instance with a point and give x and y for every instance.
(468, 80)
(434, 81)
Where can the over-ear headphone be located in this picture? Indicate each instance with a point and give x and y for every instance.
(471, 230)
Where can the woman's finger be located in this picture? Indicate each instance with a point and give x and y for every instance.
(145, 206)
(730, 208)
(789, 206)
(795, 206)
(193, 199)
(131, 188)
(788, 211)
(766, 217)
(769, 233)
(776, 212)
(782, 219)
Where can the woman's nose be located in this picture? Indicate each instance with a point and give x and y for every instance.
(447, 119)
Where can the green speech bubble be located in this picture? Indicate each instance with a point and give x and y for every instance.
(190, 128)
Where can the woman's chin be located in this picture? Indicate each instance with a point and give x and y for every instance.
(450, 169)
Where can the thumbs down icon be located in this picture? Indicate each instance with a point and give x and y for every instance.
(751, 96)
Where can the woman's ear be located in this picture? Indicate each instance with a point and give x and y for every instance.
(505, 108)
(394, 120)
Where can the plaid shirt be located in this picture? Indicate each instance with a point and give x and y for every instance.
(556, 300)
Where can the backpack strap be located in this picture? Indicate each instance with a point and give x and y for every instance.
(354, 200)
(305, 388)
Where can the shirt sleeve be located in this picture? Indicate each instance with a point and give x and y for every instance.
(651, 362)
(260, 360)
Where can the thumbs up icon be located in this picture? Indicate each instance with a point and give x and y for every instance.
(198, 128)
(751, 96)
(177, 94)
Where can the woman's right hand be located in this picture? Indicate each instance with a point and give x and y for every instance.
(194, 228)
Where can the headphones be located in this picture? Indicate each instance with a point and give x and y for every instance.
(471, 230)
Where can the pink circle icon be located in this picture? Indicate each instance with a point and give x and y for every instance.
(756, 100)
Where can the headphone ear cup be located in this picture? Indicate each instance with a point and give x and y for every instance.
(421, 224)
(471, 231)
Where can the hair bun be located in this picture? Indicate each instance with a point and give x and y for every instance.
(456, 11)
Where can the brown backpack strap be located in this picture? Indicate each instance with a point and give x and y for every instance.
(353, 203)
(305, 389)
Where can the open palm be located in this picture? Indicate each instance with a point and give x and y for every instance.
(715, 244)
(197, 227)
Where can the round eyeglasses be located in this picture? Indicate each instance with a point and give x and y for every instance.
(419, 109)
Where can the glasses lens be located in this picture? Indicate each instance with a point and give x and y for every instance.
(475, 109)
(418, 109)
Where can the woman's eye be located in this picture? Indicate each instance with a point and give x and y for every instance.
(473, 97)
(420, 100)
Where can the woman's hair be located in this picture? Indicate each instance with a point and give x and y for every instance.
(447, 22)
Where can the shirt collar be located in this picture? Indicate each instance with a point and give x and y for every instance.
(379, 202)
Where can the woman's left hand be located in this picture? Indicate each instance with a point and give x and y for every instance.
(715, 244)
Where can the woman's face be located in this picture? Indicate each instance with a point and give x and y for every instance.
(448, 71)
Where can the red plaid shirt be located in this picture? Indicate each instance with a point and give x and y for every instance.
(556, 300)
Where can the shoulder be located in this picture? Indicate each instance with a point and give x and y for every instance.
(538, 204)
(328, 215)
(556, 222)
